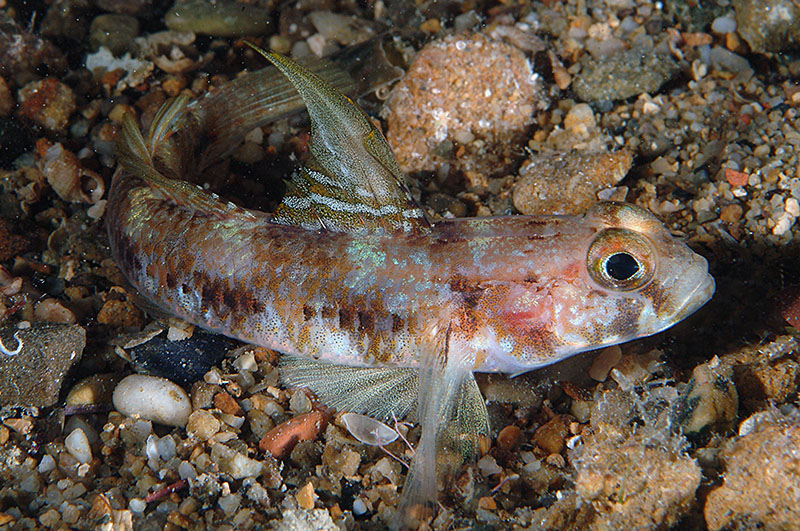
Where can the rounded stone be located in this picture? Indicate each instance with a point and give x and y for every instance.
(152, 398)
(115, 32)
(77, 444)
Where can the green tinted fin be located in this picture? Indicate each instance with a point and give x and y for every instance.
(378, 392)
(351, 181)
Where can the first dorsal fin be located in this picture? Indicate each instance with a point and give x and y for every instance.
(351, 181)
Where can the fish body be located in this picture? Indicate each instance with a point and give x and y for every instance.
(381, 309)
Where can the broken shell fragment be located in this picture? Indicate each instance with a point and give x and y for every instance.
(67, 176)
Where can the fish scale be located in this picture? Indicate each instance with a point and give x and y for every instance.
(376, 308)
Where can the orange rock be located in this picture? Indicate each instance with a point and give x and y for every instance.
(736, 178)
(697, 39)
(120, 314)
(552, 436)
(487, 503)
(508, 438)
(280, 440)
(227, 404)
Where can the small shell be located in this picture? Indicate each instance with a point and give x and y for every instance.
(66, 175)
(368, 430)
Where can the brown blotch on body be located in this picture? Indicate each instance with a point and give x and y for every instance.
(308, 312)
(347, 318)
(470, 291)
(397, 323)
(366, 322)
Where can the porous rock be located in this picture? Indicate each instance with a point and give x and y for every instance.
(466, 101)
(760, 490)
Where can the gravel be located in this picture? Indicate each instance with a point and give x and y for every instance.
(703, 116)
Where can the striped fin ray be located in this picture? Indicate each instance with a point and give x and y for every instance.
(351, 181)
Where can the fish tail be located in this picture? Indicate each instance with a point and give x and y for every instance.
(146, 157)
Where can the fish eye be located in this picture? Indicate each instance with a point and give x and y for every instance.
(621, 266)
(621, 259)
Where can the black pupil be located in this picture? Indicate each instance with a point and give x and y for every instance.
(621, 266)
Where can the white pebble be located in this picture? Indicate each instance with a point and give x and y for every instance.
(153, 398)
(77, 444)
(359, 507)
(137, 505)
(229, 504)
(237, 465)
(300, 403)
(724, 24)
(47, 464)
(792, 207)
(167, 449)
(186, 470)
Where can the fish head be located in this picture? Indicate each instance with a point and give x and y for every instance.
(614, 275)
(634, 264)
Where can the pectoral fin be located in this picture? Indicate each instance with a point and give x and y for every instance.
(454, 421)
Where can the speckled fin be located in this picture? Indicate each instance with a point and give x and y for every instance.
(378, 392)
(351, 180)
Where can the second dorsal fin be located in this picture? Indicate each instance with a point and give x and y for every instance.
(351, 181)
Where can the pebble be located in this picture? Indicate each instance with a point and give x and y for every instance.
(623, 74)
(604, 362)
(724, 59)
(345, 30)
(223, 18)
(305, 520)
(724, 24)
(183, 362)
(53, 311)
(237, 465)
(48, 102)
(33, 376)
(281, 439)
(152, 398)
(7, 102)
(567, 183)
(227, 404)
(66, 175)
(509, 438)
(709, 401)
(115, 32)
(306, 496)
(768, 25)
(96, 389)
(299, 402)
(77, 444)
(125, 7)
(552, 436)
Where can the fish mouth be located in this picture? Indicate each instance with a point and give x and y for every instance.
(700, 295)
